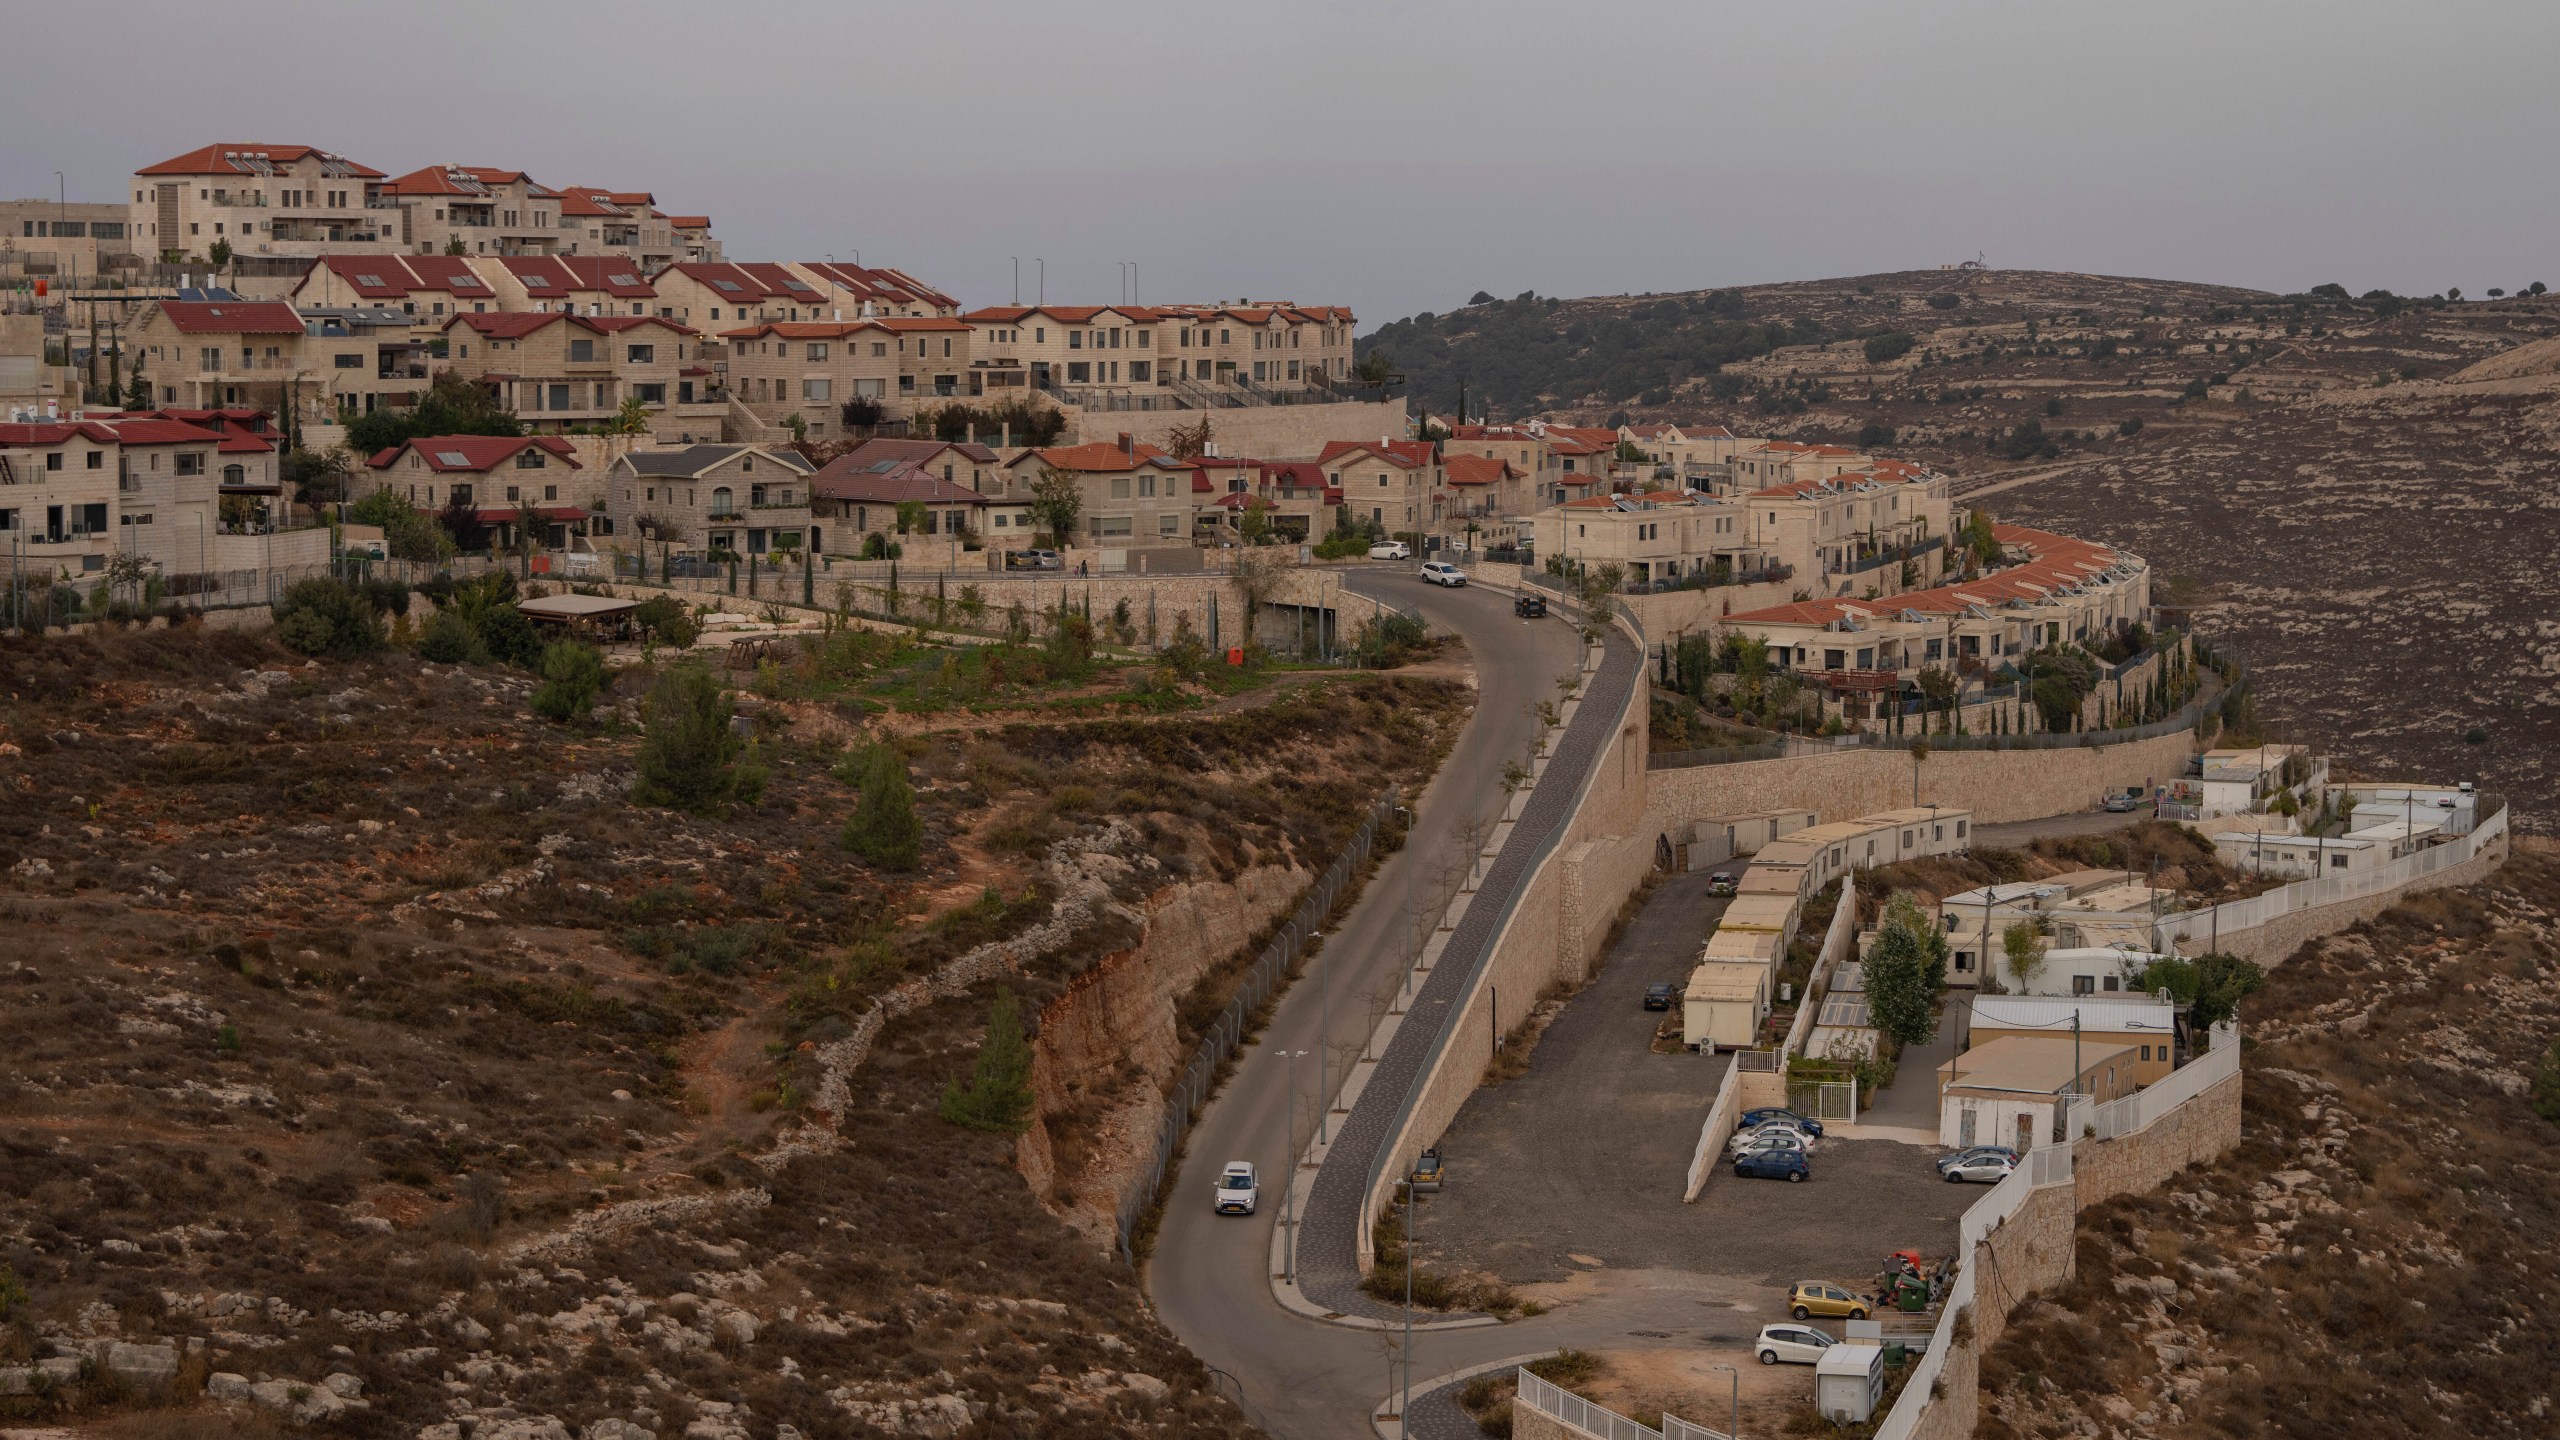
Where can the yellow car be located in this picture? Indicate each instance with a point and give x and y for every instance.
(1812, 1297)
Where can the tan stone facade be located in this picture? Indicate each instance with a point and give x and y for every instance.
(259, 200)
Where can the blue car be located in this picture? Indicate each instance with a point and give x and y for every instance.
(1754, 1119)
(1787, 1165)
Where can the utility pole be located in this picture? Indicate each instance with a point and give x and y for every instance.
(1405, 1406)
(1289, 1176)
(1736, 1421)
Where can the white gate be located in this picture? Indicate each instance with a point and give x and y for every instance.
(1825, 1100)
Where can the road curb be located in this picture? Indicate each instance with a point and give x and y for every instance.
(1390, 1426)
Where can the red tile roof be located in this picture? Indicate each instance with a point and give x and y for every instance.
(922, 452)
(232, 317)
(450, 454)
(46, 433)
(1477, 469)
(553, 277)
(879, 283)
(1101, 457)
(885, 480)
(1063, 314)
(166, 432)
(1403, 454)
(220, 160)
(468, 180)
(689, 222)
(394, 277)
(515, 325)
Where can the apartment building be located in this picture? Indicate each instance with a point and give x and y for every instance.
(1132, 493)
(558, 371)
(67, 243)
(716, 297)
(260, 200)
(718, 500)
(209, 354)
(1481, 489)
(954, 462)
(1389, 483)
(579, 284)
(1656, 536)
(497, 476)
(2065, 590)
(1854, 527)
(627, 223)
(812, 369)
(1078, 347)
(1785, 462)
(1272, 345)
(480, 209)
(153, 484)
(1525, 451)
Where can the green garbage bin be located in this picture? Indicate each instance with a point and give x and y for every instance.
(1893, 1354)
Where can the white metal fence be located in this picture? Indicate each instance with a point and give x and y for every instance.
(2139, 1109)
(2239, 916)
(1581, 1414)
(1675, 1428)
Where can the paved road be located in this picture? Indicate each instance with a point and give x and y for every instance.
(1209, 1276)
(2079, 822)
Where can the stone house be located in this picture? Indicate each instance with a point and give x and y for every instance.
(556, 370)
(1132, 493)
(714, 500)
(1389, 482)
(260, 200)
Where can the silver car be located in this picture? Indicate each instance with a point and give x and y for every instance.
(1790, 1344)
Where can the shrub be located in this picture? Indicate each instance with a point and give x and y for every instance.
(1944, 302)
(326, 617)
(1891, 345)
(689, 759)
(449, 640)
(572, 677)
(883, 828)
(2546, 1103)
(665, 620)
(998, 1095)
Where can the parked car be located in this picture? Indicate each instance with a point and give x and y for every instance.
(1976, 1152)
(1428, 1171)
(1391, 550)
(1530, 607)
(1238, 1190)
(1791, 1345)
(2121, 804)
(1787, 1165)
(1769, 1144)
(1441, 572)
(1768, 1135)
(1034, 560)
(1817, 1297)
(1754, 1119)
(1980, 1170)
(1661, 995)
(1724, 882)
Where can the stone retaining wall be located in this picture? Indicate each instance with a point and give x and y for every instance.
(1996, 785)
(2272, 942)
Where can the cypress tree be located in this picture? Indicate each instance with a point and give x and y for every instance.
(883, 828)
(998, 1095)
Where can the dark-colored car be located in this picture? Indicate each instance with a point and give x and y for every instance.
(1530, 607)
(1754, 1119)
(1724, 882)
(1787, 1165)
(1661, 995)
(1034, 560)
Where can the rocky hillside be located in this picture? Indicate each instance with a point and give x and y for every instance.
(373, 1061)
(2382, 1253)
(2352, 491)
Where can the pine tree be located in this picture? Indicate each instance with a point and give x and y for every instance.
(883, 828)
(998, 1095)
(690, 760)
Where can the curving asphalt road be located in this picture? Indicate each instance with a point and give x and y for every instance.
(1210, 1276)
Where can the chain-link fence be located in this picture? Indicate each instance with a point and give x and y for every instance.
(1268, 975)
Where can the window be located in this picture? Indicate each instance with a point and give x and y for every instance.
(559, 397)
(1119, 487)
(1139, 369)
(2084, 984)
(350, 362)
(1079, 372)
(550, 492)
(191, 463)
(53, 460)
(1075, 339)
(1169, 524)
(580, 350)
(817, 350)
(97, 460)
(641, 355)
(513, 493)
(816, 389)
(529, 459)
(723, 501)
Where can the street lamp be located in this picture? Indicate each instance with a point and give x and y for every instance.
(1736, 1419)
(1289, 1177)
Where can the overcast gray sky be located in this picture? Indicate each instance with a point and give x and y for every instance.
(1397, 156)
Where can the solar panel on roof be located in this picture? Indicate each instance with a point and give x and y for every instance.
(622, 280)
(373, 280)
(725, 284)
(453, 457)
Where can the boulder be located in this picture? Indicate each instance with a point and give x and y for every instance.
(141, 1364)
(618, 1430)
(1147, 1387)
(344, 1385)
(223, 1385)
(297, 1401)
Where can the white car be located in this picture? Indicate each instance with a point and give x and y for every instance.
(1441, 572)
(1238, 1191)
(1775, 1132)
(1981, 1170)
(1770, 1138)
(1391, 550)
(1790, 1345)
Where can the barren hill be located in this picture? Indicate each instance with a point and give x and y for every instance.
(2355, 492)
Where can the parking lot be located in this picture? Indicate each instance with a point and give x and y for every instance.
(1587, 1153)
